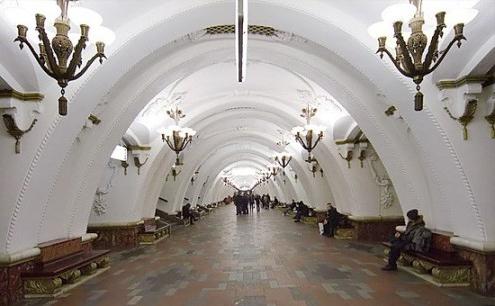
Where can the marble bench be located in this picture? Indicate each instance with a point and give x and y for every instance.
(61, 266)
(441, 266)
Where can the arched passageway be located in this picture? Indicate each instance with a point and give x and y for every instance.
(378, 158)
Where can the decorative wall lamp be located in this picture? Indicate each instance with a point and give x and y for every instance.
(139, 164)
(283, 159)
(124, 165)
(409, 56)
(176, 170)
(362, 152)
(314, 167)
(15, 131)
(348, 157)
(491, 121)
(54, 56)
(176, 137)
(309, 135)
(466, 117)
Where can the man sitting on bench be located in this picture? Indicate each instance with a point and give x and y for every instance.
(415, 238)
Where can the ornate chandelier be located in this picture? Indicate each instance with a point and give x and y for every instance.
(309, 135)
(273, 170)
(176, 137)
(54, 56)
(409, 56)
(283, 159)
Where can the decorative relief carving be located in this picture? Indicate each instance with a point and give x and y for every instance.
(385, 184)
(100, 203)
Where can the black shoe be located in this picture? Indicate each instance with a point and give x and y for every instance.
(389, 268)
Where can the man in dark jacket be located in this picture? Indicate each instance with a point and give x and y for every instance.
(415, 238)
(302, 210)
(331, 222)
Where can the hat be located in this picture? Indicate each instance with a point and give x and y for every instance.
(412, 214)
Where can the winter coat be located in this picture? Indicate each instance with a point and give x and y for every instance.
(417, 236)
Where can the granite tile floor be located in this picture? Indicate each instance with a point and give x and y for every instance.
(257, 260)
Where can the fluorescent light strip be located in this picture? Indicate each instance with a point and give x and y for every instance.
(241, 38)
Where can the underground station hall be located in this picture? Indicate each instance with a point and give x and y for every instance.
(247, 152)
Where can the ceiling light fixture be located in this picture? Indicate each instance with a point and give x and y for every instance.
(176, 137)
(241, 38)
(309, 135)
(283, 159)
(54, 56)
(409, 58)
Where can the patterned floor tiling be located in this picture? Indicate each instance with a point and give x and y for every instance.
(257, 260)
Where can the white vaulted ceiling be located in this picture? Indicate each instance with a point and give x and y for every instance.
(321, 52)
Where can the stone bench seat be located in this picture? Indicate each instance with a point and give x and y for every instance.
(153, 236)
(49, 279)
(445, 268)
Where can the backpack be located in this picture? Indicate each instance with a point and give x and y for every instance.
(422, 240)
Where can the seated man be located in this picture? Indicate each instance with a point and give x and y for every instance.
(290, 207)
(415, 238)
(302, 211)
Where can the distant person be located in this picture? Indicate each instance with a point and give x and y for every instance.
(275, 202)
(257, 200)
(416, 238)
(302, 210)
(331, 221)
(187, 213)
(291, 207)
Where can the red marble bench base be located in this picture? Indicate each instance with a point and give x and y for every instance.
(446, 267)
(60, 265)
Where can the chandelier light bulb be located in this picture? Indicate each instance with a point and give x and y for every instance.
(81, 15)
(103, 34)
(398, 12)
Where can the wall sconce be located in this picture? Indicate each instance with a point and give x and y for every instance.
(466, 117)
(15, 131)
(347, 158)
(491, 121)
(17, 114)
(138, 163)
(124, 164)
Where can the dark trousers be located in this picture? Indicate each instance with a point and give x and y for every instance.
(397, 246)
(329, 229)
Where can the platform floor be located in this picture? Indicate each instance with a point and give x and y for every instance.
(256, 260)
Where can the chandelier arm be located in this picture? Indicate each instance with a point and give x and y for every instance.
(396, 64)
(444, 53)
(288, 161)
(301, 142)
(52, 62)
(76, 56)
(170, 145)
(36, 56)
(405, 53)
(320, 137)
(433, 48)
(88, 64)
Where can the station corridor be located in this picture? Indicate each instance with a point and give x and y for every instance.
(256, 260)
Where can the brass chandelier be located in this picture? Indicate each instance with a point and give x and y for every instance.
(283, 159)
(309, 135)
(273, 170)
(176, 137)
(54, 56)
(409, 56)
